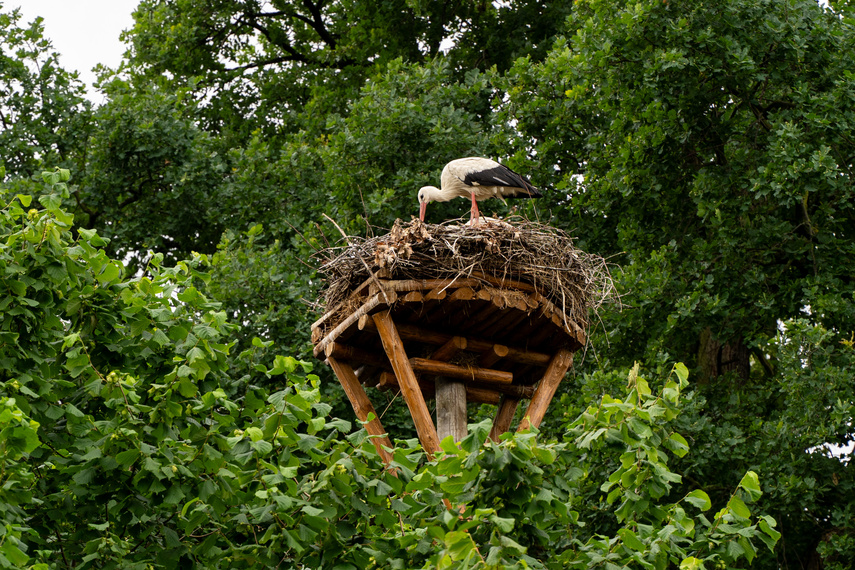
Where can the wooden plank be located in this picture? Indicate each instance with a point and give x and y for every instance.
(564, 321)
(546, 389)
(407, 379)
(475, 393)
(478, 395)
(436, 294)
(369, 306)
(428, 336)
(487, 325)
(439, 368)
(504, 417)
(450, 409)
(362, 406)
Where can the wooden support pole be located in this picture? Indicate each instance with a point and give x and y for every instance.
(546, 389)
(504, 417)
(407, 378)
(450, 409)
(362, 406)
(438, 368)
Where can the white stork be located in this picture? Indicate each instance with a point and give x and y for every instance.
(478, 178)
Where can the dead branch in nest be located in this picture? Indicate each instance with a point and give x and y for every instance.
(526, 251)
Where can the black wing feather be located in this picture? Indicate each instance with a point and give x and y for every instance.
(502, 176)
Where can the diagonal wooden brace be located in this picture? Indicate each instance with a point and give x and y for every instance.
(558, 366)
(504, 416)
(362, 406)
(407, 381)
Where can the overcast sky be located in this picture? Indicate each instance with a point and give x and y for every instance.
(84, 32)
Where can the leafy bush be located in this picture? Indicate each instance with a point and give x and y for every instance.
(133, 437)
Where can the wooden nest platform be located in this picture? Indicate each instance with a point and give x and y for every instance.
(489, 314)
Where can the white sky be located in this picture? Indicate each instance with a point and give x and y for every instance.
(83, 32)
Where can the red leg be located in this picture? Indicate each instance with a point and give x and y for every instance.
(474, 214)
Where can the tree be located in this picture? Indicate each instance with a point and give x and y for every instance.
(715, 149)
(708, 147)
(40, 103)
(132, 435)
(285, 65)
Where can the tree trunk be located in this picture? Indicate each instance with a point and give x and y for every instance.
(716, 358)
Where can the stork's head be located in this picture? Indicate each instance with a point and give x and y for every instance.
(426, 194)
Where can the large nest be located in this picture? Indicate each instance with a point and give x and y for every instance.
(531, 252)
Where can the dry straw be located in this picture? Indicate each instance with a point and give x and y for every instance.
(519, 249)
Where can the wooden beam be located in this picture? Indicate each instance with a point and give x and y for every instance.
(423, 284)
(352, 354)
(475, 393)
(546, 389)
(407, 379)
(450, 409)
(490, 357)
(362, 406)
(505, 283)
(450, 349)
(504, 417)
(428, 336)
(474, 374)
(366, 308)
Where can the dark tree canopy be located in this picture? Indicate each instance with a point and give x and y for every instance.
(705, 148)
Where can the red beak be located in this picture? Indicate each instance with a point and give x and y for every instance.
(422, 210)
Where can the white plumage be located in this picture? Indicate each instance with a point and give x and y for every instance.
(478, 179)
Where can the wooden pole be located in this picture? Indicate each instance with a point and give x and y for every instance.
(490, 357)
(362, 406)
(450, 409)
(504, 417)
(438, 368)
(475, 392)
(546, 389)
(407, 379)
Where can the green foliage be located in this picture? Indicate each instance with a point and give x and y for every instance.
(40, 103)
(713, 141)
(133, 434)
(706, 145)
(150, 177)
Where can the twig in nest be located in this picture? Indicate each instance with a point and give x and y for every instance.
(371, 273)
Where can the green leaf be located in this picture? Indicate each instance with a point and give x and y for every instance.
(691, 563)
(699, 499)
(51, 202)
(682, 374)
(751, 484)
(677, 444)
(25, 199)
(630, 539)
(738, 507)
(13, 554)
(110, 273)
